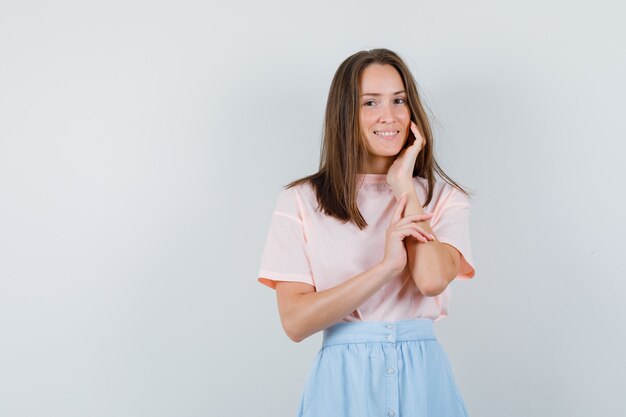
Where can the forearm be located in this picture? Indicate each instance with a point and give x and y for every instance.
(428, 262)
(315, 311)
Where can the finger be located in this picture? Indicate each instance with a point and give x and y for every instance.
(408, 222)
(417, 134)
(411, 232)
(415, 130)
(419, 237)
(424, 233)
(415, 218)
(397, 214)
(420, 230)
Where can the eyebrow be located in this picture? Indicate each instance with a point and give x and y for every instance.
(377, 94)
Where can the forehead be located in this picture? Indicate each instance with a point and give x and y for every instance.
(377, 78)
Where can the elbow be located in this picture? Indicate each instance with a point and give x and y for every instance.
(295, 337)
(293, 331)
(294, 318)
(435, 283)
(431, 287)
(431, 290)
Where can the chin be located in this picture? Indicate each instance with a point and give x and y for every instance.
(386, 152)
(391, 149)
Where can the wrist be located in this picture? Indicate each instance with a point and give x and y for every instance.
(387, 269)
(401, 187)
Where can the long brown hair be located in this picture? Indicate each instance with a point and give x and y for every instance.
(343, 151)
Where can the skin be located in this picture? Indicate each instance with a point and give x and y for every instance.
(304, 311)
(383, 107)
(433, 264)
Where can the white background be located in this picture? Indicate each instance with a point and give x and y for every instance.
(142, 147)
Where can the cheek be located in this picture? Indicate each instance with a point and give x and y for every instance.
(404, 115)
(362, 120)
(405, 120)
(366, 118)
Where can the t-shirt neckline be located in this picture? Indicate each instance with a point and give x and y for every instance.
(373, 178)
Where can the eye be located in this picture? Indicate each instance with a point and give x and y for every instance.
(400, 100)
(368, 101)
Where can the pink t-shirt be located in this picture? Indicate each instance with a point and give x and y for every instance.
(305, 245)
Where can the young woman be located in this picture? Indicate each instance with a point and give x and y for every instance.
(365, 250)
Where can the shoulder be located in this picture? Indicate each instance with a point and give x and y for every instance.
(292, 199)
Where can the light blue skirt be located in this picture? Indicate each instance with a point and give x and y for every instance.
(382, 369)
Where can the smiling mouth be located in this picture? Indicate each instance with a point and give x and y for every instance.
(386, 133)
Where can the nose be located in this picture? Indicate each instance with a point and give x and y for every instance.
(386, 115)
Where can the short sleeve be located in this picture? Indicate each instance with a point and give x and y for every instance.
(285, 256)
(452, 227)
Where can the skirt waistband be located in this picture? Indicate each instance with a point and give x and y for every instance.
(378, 331)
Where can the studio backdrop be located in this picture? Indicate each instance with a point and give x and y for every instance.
(143, 145)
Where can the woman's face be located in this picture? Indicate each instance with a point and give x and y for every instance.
(383, 114)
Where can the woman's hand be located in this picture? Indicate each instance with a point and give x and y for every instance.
(395, 257)
(400, 172)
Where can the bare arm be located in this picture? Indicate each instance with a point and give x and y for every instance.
(433, 264)
(303, 311)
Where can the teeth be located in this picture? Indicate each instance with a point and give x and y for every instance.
(386, 133)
